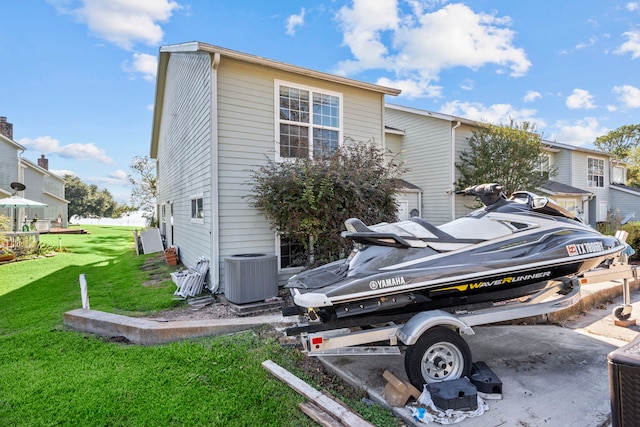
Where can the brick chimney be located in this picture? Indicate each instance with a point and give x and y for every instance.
(6, 128)
(43, 162)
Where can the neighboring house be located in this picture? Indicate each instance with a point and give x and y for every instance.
(48, 188)
(41, 185)
(9, 162)
(625, 202)
(220, 114)
(591, 173)
(588, 182)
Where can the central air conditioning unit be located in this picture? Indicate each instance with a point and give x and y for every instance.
(624, 384)
(250, 278)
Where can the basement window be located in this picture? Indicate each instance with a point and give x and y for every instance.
(291, 252)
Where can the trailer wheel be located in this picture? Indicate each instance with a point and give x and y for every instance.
(440, 354)
(622, 312)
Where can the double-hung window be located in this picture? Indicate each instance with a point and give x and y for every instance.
(595, 172)
(309, 122)
(618, 175)
(197, 208)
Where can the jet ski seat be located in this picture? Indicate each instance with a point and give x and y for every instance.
(402, 234)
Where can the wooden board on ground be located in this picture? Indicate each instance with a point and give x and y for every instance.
(323, 401)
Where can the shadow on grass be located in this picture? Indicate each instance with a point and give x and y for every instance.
(114, 282)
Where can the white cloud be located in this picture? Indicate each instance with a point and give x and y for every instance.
(580, 132)
(580, 99)
(63, 172)
(633, 6)
(76, 151)
(467, 85)
(495, 114)
(117, 177)
(363, 26)
(295, 21)
(412, 88)
(628, 95)
(632, 45)
(122, 22)
(143, 63)
(531, 96)
(419, 45)
(592, 40)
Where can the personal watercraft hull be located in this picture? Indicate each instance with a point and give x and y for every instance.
(407, 272)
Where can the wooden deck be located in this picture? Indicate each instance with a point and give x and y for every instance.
(74, 230)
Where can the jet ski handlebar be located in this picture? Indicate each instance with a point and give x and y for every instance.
(488, 194)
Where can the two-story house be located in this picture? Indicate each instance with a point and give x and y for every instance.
(219, 114)
(41, 185)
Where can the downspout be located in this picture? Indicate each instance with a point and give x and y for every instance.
(453, 170)
(20, 177)
(215, 224)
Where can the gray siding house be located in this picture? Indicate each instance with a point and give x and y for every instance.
(219, 114)
(48, 188)
(41, 185)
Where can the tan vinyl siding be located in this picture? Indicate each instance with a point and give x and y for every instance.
(428, 141)
(247, 133)
(464, 204)
(562, 163)
(184, 156)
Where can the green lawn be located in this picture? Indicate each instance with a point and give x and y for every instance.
(53, 376)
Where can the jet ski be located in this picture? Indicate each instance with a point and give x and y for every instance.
(508, 249)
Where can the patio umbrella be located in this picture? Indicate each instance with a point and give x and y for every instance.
(19, 202)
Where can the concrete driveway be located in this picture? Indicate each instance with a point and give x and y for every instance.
(552, 375)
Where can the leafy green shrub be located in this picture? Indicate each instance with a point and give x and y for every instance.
(633, 228)
(308, 200)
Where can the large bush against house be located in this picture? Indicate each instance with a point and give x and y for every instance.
(308, 201)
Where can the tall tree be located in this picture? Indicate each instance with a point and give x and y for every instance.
(88, 200)
(308, 201)
(144, 187)
(511, 155)
(633, 168)
(620, 142)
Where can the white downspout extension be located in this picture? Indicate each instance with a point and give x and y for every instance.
(453, 170)
(215, 225)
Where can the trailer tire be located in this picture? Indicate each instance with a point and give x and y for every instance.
(440, 354)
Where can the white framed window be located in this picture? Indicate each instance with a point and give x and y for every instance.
(544, 166)
(290, 254)
(308, 121)
(618, 175)
(569, 204)
(595, 172)
(197, 208)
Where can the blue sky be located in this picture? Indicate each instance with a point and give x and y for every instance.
(77, 77)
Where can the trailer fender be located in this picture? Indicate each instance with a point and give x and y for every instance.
(423, 321)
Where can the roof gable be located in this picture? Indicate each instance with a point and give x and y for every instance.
(218, 54)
